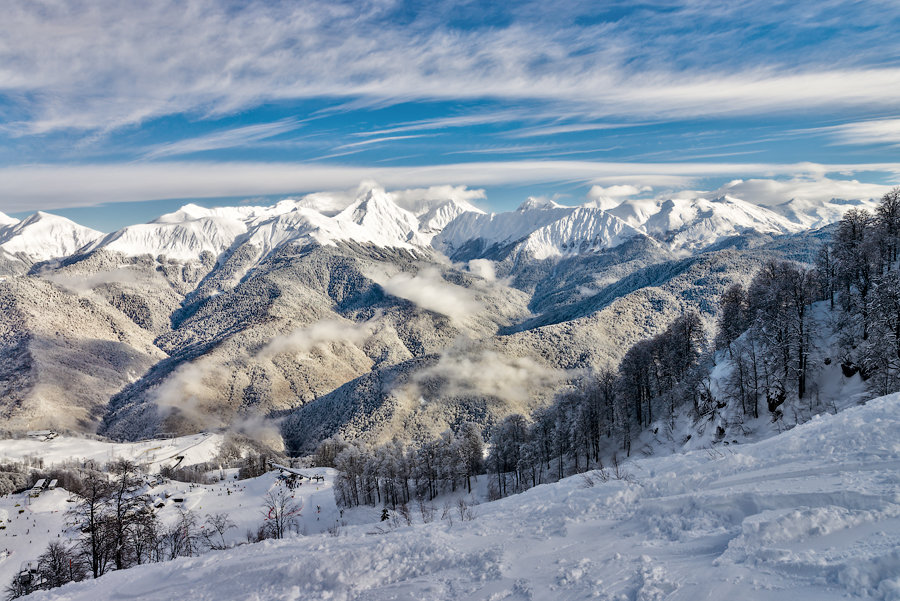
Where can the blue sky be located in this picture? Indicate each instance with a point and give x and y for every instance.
(113, 112)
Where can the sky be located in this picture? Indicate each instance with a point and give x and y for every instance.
(114, 112)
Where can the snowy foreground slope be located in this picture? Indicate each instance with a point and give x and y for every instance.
(813, 513)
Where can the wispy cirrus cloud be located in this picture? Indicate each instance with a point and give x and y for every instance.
(555, 130)
(876, 131)
(457, 121)
(228, 138)
(381, 140)
(104, 65)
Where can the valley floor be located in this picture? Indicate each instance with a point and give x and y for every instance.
(813, 513)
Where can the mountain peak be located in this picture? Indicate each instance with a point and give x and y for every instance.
(7, 220)
(43, 236)
(538, 203)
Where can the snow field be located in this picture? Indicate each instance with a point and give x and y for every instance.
(196, 448)
(30, 524)
(811, 514)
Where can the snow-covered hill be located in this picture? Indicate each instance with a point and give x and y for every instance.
(810, 514)
(43, 236)
(6, 220)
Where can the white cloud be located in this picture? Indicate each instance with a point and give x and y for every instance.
(430, 291)
(84, 283)
(228, 138)
(318, 335)
(878, 131)
(382, 140)
(483, 268)
(416, 199)
(452, 122)
(772, 192)
(106, 64)
(465, 370)
(192, 398)
(34, 187)
(611, 196)
(554, 130)
(193, 392)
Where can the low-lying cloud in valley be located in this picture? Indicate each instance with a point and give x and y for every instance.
(429, 290)
(320, 334)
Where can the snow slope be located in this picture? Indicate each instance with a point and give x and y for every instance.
(43, 236)
(547, 229)
(811, 514)
(31, 523)
(812, 214)
(543, 229)
(691, 224)
(375, 217)
(196, 448)
(183, 241)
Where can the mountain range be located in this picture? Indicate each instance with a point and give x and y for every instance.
(372, 315)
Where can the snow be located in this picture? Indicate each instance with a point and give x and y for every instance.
(29, 525)
(442, 219)
(552, 230)
(6, 220)
(182, 241)
(536, 203)
(374, 217)
(581, 230)
(809, 514)
(43, 236)
(196, 448)
(691, 224)
(811, 214)
(498, 228)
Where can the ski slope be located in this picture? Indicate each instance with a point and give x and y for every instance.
(810, 514)
(196, 448)
(29, 524)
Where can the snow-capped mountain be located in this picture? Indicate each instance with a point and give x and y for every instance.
(181, 240)
(43, 236)
(692, 224)
(812, 214)
(540, 228)
(545, 229)
(499, 228)
(375, 217)
(6, 220)
(548, 287)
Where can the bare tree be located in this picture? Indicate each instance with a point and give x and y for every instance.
(181, 539)
(60, 564)
(215, 528)
(91, 514)
(126, 508)
(281, 512)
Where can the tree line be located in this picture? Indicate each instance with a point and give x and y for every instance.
(395, 474)
(766, 330)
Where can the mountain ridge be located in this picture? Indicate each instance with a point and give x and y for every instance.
(347, 287)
